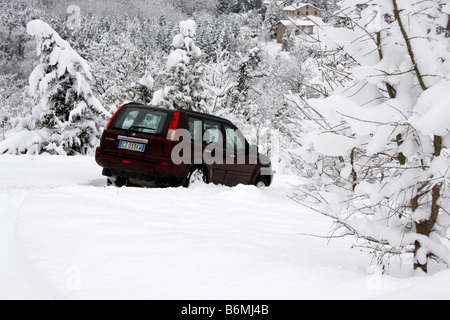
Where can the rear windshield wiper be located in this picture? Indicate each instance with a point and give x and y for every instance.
(133, 128)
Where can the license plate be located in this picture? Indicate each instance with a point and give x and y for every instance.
(132, 146)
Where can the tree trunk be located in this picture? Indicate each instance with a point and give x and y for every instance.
(354, 174)
(424, 227)
(409, 47)
(392, 94)
(448, 27)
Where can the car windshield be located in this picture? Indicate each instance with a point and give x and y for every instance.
(138, 119)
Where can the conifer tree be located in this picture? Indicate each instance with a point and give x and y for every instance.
(223, 7)
(247, 70)
(184, 87)
(66, 105)
(272, 17)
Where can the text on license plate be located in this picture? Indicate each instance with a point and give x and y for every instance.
(132, 146)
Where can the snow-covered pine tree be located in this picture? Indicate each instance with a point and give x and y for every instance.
(223, 7)
(243, 101)
(68, 118)
(14, 42)
(387, 131)
(183, 79)
(241, 6)
(143, 90)
(207, 40)
(273, 15)
(164, 34)
(246, 70)
(246, 5)
(118, 60)
(227, 39)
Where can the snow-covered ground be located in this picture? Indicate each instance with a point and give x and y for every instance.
(64, 235)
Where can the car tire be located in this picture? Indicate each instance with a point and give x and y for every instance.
(118, 182)
(261, 182)
(196, 175)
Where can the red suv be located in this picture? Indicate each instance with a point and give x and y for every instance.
(144, 145)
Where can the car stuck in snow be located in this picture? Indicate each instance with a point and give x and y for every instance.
(145, 145)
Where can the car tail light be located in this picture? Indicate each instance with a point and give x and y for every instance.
(115, 115)
(173, 126)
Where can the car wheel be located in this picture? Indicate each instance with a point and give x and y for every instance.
(196, 175)
(261, 182)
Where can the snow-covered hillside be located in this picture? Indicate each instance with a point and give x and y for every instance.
(64, 235)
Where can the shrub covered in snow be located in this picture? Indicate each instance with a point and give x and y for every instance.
(387, 131)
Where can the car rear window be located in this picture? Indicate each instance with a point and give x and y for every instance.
(138, 119)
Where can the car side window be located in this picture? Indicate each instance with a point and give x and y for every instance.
(211, 132)
(195, 129)
(234, 139)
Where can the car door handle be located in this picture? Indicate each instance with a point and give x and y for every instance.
(232, 156)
